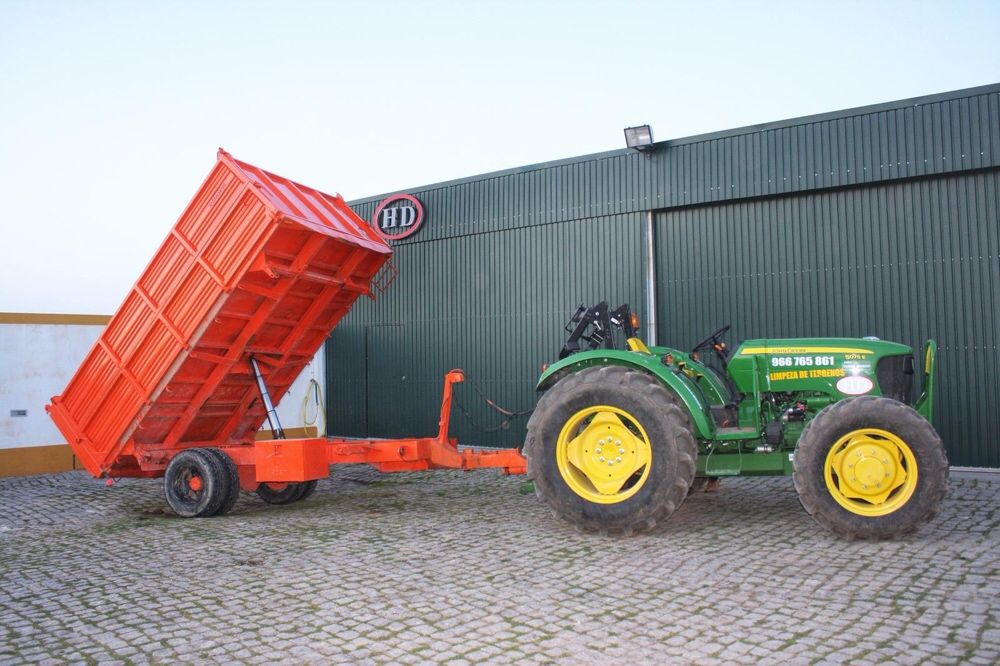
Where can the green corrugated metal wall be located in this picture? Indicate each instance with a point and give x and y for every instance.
(493, 304)
(882, 221)
(903, 261)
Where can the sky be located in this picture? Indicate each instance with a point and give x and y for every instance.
(111, 112)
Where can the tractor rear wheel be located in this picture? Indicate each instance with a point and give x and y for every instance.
(698, 485)
(870, 468)
(609, 450)
(196, 483)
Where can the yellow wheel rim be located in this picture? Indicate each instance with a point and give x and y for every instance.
(870, 472)
(603, 454)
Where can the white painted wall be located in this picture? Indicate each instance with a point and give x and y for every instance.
(36, 363)
(290, 407)
(38, 360)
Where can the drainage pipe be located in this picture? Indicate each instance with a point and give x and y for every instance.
(650, 281)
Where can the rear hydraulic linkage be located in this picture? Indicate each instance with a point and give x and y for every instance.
(601, 320)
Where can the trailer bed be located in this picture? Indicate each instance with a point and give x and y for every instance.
(257, 266)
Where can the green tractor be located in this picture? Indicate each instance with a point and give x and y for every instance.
(624, 432)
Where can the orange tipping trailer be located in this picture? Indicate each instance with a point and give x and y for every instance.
(239, 297)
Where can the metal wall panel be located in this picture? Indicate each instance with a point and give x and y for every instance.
(493, 304)
(933, 135)
(902, 261)
(880, 220)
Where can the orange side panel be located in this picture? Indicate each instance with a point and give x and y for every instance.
(257, 265)
(291, 460)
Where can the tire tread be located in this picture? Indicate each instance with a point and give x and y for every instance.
(810, 455)
(644, 388)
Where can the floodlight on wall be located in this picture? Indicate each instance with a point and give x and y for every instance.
(640, 138)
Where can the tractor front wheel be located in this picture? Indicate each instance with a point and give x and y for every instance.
(609, 450)
(870, 468)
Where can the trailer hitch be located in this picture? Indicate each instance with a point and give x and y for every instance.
(296, 460)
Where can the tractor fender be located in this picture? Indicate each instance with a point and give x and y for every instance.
(925, 403)
(682, 386)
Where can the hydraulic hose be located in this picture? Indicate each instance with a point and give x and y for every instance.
(316, 393)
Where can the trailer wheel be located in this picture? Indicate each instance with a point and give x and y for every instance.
(196, 483)
(870, 468)
(285, 493)
(232, 481)
(308, 488)
(609, 450)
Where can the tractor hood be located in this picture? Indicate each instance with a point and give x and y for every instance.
(834, 366)
(800, 346)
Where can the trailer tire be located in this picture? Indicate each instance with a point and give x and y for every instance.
(292, 492)
(195, 483)
(886, 446)
(644, 407)
(308, 488)
(232, 481)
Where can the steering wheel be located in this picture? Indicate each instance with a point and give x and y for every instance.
(711, 341)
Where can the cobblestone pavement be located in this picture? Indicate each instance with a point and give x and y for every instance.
(459, 568)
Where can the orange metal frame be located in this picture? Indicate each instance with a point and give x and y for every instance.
(257, 268)
(287, 460)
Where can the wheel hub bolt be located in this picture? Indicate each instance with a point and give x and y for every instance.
(602, 458)
(621, 451)
(618, 459)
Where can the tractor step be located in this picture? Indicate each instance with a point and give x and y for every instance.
(725, 416)
(737, 433)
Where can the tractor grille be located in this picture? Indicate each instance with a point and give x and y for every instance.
(895, 377)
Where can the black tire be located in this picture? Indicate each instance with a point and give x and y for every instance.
(213, 483)
(673, 449)
(308, 488)
(232, 481)
(846, 416)
(292, 492)
(698, 485)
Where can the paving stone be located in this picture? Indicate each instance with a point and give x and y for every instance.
(453, 567)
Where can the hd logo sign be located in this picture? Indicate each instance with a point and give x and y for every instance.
(398, 217)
